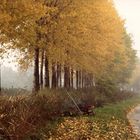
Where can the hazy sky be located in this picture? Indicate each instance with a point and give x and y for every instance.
(130, 11)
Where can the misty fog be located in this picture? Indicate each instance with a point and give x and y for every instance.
(16, 79)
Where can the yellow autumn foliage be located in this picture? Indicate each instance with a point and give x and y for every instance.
(84, 128)
(85, 35)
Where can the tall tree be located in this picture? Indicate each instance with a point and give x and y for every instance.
(87, 36)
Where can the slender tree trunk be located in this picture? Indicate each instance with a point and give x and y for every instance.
(80, 79)
(71, 77)
(83, 80)
(77, 79)
(47, 79)
(86, 81)
(0, 81)
(91, 80)
(58, 75)
(54, 76)
(66, 77)
(41, 69)
(36, 70)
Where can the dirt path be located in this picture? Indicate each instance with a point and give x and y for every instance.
(134, 118)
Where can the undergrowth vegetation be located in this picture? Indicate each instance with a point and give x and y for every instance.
(34, 117)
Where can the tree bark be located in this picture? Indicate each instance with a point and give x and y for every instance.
(54, 76)
(41, 70)
(83, 81)
(66, 77)
(36, 70)
(0, 81)
(72, 78)
(80, 79)
(47, 79)
(77, 79)
(58, 75)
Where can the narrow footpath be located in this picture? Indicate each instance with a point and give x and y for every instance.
(134, 119)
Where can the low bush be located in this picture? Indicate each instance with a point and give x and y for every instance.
(22, 116)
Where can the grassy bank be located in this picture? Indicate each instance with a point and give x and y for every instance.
(109, 123)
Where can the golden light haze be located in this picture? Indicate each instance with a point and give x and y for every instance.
(130, 11)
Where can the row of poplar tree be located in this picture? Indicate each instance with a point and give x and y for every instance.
(72, 43)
